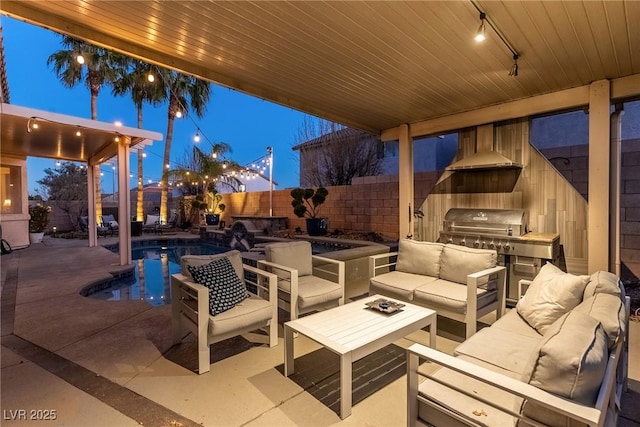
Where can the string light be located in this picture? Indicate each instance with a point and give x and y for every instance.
(80, 59)
(196, 138)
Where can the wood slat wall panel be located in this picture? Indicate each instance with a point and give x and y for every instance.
(553, 204)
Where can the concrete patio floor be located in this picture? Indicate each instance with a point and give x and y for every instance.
(111, 363)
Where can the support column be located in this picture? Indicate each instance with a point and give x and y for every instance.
(599, 176)
(614, 207)
(124, 201)
(405, 182)
(91, 206)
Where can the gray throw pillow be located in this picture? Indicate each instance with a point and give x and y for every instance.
(225, 287)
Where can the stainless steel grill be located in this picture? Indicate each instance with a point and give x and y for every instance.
(507, 232)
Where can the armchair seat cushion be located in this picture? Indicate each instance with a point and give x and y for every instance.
(312, 291)
(398, 284)
(251, 311)
(450, 296)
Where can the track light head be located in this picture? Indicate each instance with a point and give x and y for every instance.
(481, 33)
(514, 68)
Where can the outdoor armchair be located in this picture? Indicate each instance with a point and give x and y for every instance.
(306, 282)
(225, 303)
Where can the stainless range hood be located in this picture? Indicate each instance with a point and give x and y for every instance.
(484, 156)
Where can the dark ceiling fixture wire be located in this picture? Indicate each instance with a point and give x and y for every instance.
(480, 36)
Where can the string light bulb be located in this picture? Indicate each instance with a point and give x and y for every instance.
(80, 59)
(481, 34)
(196, 138)
(150, 77)
(179, 114)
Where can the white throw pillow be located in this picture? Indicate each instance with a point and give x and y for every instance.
(569, 362)
(551, 294)
(419, 257)
(457, 262)
(152, 219)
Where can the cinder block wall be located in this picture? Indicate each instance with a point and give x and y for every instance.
(573, 163)
(369, 204)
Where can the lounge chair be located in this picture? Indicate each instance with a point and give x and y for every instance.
(152, 223)
(110, 222)
(169, 225)
(83, 222)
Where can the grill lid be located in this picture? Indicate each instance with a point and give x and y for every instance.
(499, 222)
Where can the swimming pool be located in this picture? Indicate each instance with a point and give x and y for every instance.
(154, 261)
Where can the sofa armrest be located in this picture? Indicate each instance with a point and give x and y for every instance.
(523, 285)
(373, 262)
(335, 276)
(266, 283)
(592, 416)
(190, 310)
(501, 285)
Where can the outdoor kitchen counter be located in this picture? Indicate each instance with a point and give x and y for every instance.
(540, 237)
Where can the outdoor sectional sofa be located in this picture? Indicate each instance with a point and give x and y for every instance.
(458, 282)
(559, 358)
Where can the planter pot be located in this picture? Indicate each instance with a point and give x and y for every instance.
(212, 219)
(317, 226)
(36, 237)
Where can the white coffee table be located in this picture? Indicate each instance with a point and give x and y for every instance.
(353, 331)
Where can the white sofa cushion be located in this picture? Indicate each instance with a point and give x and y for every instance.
(450, 296)
(457, 262)
(551, 294)
(504, 349)
(570, 362)
(513, 322)
(419, 257)
(397, 284)
(603, 282)
(609, 311)
(291, 254)
(197, 260)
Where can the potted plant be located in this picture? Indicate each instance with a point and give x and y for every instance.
(38, 222)
(213, 218)
(306, 203)
(198, 205)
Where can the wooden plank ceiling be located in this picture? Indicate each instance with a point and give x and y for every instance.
(371, 65)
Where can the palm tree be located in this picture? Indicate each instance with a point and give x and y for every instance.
(182, 90)
(100, 65)
(133, 78)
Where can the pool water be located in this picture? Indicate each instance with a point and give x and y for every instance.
(154, 261)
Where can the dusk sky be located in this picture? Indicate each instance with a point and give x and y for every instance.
(246, 123)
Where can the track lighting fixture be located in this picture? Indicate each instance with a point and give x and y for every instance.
(514, 68)
(481, 36)
(481, 33)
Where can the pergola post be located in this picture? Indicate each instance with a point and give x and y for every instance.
(405, 182)
(91, 206)
(124, 201)
(599, 176)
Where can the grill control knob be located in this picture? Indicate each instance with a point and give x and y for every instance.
(499, 246)
(450, 240)
(507, 246)
(463, 242)
(476, 243)
(491, 245)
